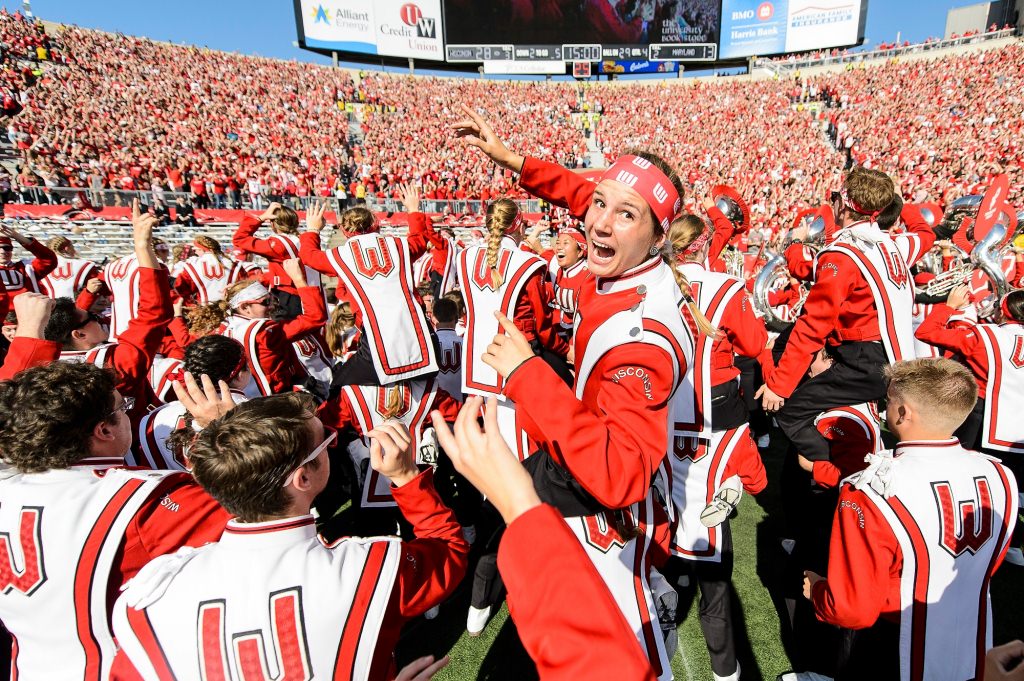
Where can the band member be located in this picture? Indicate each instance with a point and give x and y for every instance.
(76, 524)
(329, 609)
(860, 304)
(445, 315)
(19, 276)
(700, 464)
(207, 273)
(282, 245)
(917, 537)
(217, 357)
(84, 339)
(245, 316)
(993, 353)
(71, 273)
(570, 256)
(375, 277)
(632, 350)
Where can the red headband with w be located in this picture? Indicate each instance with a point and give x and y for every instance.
(650, 183)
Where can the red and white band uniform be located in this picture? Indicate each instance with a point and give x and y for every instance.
(149, 447)
(702, 460)
(364, 407)
(122, 279)
(314, 355)
(919, 314)
(995, 355)
(69, 277)
(449, 363)
(443, 258)
(376, 272)
(303, 609)
(566, 284)
(18, 276)
(916, 539)
(522, 283)
(276, 249)
(204, 278)
(71, 537)
(268, 345)
(162, 374)
(862, 292)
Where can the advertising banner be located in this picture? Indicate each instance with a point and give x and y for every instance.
(393, 28)
(763, 27)
(628, 67)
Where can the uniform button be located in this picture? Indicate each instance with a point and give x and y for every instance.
(634, 332)
(641, 289)
(635, 308)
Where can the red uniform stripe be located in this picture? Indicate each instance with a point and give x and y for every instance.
(140, 625)
(85, 590)
(344, 665)
(919, 608)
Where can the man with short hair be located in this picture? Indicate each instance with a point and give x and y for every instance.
(917, 537)
(272, 597)
(74, 524)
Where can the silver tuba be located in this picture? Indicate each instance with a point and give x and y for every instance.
(762, 287)
(944, 282)
(987, 255)
(964, 207)
(730, 209)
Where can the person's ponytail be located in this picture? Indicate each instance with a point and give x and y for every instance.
(501, 215)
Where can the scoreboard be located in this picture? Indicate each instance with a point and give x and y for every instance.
(575, 52)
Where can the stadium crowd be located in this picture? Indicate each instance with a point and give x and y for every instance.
(266, 461)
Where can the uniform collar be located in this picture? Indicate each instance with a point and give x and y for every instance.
(645, 274)
(273, 532)
(99, 462)
(911, 446)
(575, 269)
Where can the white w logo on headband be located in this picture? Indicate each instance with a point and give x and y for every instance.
(627, 178)
(641, 162)
(660, 193)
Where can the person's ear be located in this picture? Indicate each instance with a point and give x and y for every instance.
(301, 480)
(104, 431)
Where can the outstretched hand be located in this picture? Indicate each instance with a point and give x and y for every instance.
(391, 452)
(484, 459)
(476, 132)
(315, 216)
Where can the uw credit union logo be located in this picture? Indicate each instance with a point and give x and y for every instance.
(412, 16)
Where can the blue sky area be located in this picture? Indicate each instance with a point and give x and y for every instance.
(267, 27)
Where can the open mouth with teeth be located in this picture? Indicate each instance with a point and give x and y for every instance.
(601, 250)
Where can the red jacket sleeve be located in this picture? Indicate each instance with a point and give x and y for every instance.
(612, 452)
(182, 336)
(745, 331)
(864, 563)
(558, 185)
(435, 561)
(312, 256)
(962, 340)
(572, 628)
(799, 262)
(421, 232)
(826, 473)
(276, 359)
(724, 230)
(45, 260)
(537, 298)
(138, 344)
(746, 463)
(184, 286)
(85, 300)
(314, 313)
(178, 513)
(244, 238)
(818, 321)
(26, 353)
(919, 237)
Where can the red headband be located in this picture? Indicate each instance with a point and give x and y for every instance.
(517, 225)
(650, 183)
(854, 207)
(576, 234)
(699, 242)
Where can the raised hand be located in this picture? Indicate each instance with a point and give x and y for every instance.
(315, 221)
(270, 212)
(476, 132)
(203, 402)
(410, 197)
(33, 312)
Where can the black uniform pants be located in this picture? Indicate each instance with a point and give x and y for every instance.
(855, 377)
(715, 583)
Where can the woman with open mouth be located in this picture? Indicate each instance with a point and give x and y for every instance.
(604, 440)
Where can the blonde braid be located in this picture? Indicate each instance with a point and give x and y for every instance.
(702, 322)
(501, 214)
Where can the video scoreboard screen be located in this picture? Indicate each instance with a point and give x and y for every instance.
(592, 30)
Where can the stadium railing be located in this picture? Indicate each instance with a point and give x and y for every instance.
(117, 197)
(785, 64)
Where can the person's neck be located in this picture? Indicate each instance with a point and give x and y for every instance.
(924, 435)
(448, 325)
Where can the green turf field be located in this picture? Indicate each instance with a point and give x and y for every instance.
(497, 654)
